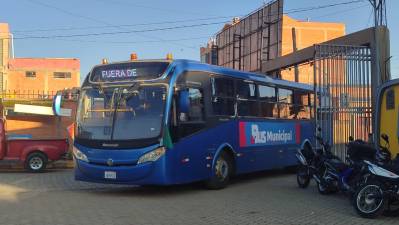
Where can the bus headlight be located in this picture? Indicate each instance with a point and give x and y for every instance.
(152, 156)
(79, 155)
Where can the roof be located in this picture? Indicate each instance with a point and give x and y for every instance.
(182, 65)
(44, 63)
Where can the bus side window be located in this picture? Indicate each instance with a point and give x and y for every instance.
(196, 110)
(223, 98)
(390, 99)
(194, 120)
(285, 103)
(247, 99)
(301, 108)
(268, 101)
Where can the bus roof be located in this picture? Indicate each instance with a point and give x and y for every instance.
(191, 65)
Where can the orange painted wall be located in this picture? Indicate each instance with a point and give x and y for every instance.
(44, 80)
(307, 34)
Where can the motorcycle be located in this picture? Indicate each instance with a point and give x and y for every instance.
(330, 173)
(380, 191)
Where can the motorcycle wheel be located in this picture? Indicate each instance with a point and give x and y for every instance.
(392, 209)
(303, 177)
(369, 201)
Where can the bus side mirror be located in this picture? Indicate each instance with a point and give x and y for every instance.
(184, 101)
(57, 100)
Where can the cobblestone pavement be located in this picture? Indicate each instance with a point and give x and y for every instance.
(264, 198)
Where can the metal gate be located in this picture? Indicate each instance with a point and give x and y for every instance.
(342, 81)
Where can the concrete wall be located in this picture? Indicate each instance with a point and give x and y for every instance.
(4, 51)
(44, 69)
(307, 34)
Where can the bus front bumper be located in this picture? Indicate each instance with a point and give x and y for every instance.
(142, 174)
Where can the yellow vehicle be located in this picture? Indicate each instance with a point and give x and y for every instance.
(388, 114)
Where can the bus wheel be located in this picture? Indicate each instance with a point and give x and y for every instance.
(221, 172)
(36, 162)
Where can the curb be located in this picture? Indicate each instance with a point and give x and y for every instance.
(60, 164)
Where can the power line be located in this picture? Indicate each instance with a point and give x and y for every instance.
(322, 6)
(131, 42)
(341, 11)
(84, 17)
(120, 32)
(169, 10)
(122, 25)
(290, 11)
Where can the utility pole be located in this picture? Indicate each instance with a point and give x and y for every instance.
(376, 76)
(379, 20)
(376, 53)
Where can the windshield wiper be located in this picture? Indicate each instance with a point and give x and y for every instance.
(116, 105)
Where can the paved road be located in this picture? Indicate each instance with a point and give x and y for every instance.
(264, 198)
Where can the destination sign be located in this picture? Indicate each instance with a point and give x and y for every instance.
(121, 73)
(130, 71)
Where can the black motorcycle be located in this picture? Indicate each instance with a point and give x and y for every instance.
(330, 172)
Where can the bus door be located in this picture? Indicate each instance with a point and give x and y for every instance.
(189, 145)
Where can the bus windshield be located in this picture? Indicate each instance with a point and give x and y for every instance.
(121, 113)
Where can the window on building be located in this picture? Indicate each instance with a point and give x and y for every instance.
(31, 74)
(62, 75)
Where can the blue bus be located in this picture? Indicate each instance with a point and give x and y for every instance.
(164, 122)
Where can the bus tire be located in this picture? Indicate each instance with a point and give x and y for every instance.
(36, 162)
(221, 172)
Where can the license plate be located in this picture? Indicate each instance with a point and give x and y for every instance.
(110, 175)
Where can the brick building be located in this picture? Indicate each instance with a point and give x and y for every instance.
(266, 34)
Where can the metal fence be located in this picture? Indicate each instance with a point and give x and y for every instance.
(8, 95)
(342, 81)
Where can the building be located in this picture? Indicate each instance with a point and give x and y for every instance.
(34, 81)
(46, 75)
(209, 53)
(266, 34)
(5, 38)
(34, 75)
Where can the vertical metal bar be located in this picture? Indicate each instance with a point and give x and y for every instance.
(333, 99)
(347, 67)
(361, 110)
(363, 97)
(316, 84)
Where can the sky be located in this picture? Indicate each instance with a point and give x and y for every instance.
(117, 28)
